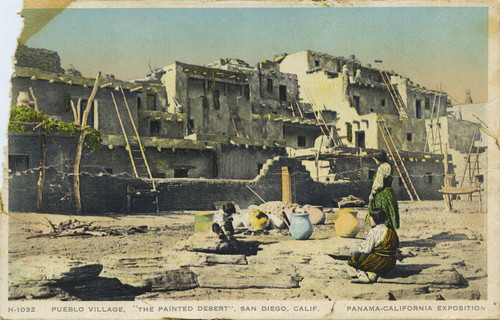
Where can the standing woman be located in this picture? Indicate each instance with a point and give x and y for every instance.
(382, 195)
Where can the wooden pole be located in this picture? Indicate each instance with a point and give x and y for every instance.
(447, 179)
(125, 136)
(75, 115)
(79, 148)
(41, 177)
(138, 140)
(34, 99)
(317, 158)
(255, 193)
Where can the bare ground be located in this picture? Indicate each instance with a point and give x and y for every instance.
(443, 257)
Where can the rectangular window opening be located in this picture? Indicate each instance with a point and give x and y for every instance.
(409, 136)
(18, 163)
(151, 101)
(382, 102)
(270, 85)
(301, 141)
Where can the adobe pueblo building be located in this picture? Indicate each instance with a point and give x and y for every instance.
(186, 136)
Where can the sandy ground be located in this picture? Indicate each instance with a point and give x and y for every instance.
(434, 244)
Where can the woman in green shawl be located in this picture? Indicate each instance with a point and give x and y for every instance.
(382, 195)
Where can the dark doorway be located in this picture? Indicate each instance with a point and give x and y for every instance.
(418, 109)
(282, 93)
(154, 128)
(360, 139)
(180, 173)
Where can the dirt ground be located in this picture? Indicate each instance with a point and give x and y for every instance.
(443, 256)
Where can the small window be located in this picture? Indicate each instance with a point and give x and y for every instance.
(180, 173)
(372, 110)
(429, 177)
(18, 163)
(316, 63)
(67, 102)
(259, 167)
(382, 102)
(301, 141)
(270, 85)
(154, 128)
(151, 102)
(409, 136)
(247, 92)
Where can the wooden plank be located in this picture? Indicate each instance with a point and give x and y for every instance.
(286, 188)
(458, 190)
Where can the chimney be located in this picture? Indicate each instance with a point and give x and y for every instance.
(468, 98)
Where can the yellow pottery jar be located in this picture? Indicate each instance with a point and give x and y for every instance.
(347, 223)
(203, 221)
(258, 219)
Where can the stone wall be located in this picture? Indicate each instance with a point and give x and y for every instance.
(42, 59)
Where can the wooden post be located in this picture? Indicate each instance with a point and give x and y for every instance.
(286, 188)
(447, 179)
(79, 148)
(41, 177)
(34, 99)
(317, 158)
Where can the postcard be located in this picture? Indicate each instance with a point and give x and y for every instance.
(250, 160)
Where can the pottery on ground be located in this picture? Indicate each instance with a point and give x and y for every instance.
(258, 219)
(300, 226)
(203, 221)
(347, 223)
(316, 215)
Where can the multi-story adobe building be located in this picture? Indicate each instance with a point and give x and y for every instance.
(224, 120)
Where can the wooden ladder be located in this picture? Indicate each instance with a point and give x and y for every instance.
(236, 119)
(396, 98)
(337, 141)
(472, 169)
(137, 157)
(398, 161)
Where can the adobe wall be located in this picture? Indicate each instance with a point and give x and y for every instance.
(51, 101)
(104, 193)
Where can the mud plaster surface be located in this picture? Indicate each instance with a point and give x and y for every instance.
(444, 257)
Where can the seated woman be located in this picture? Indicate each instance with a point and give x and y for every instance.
(376, 254)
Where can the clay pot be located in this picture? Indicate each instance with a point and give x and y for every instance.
(203, 221)
(258, 219)
(347, 223)
(300, 226)
(316, 215)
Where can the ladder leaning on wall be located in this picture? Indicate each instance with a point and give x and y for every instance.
(330, 132)
(138, 160)
(396, 98)
(398, 161)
